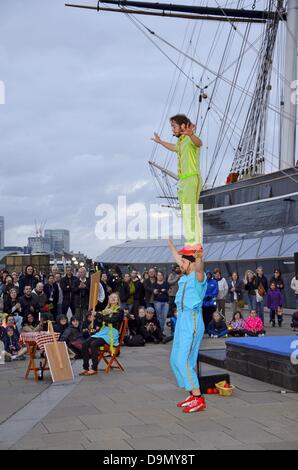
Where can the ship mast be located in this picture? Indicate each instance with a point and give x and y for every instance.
(288, 126)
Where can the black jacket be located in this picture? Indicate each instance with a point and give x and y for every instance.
(27, 303)
(116, 319)
(264, 281)
(251, 287)
(52, 292)
(70, 334)
(69, 286)
(82, 295)
(9, 304)
(26, 280)
(139, 291)
(123, 290)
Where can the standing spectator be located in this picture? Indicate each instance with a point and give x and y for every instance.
(58, 307)
(223, 289)
(148, 287)
(51, 290)
(173, 279)
(139, 295)
(15, 278)
(82, 296)
(262, 288)
(69, 286)
(105, 283)
(278, 280)
(40, 296)
(253, 325)
(235, 291)
(7, 287)
(209, 301)
(161, 299)
(55, 270)
(27, 279)
(124, 293)
(131, 287)
(294, 287)
(29, 304)
(274, 303)
(250, 285)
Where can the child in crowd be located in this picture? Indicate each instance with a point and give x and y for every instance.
(30, 324)
(217, 328)
(73, 337)
(236, 325)
(274, 302)
(294, 323)
(10, 321)
(149, 327)
(91, 325)
(12, 347)
(253, 325)
(61, 324)
(173, 320)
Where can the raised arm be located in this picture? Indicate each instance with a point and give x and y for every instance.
(174, 252)
(167, 145)
(199, 266)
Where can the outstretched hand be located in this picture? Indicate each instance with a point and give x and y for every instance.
(156, 138)
(188, 129)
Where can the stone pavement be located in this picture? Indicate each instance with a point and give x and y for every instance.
(136, 410)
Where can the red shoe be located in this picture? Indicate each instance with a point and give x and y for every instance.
(197, 404)
(186, 402)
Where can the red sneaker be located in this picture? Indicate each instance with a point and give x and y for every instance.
(197, 404)
(186, 402)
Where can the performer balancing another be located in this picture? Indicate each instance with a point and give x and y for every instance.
(190, 180)
(189, 328)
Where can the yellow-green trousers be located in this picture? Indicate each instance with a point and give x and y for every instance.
(188, 195)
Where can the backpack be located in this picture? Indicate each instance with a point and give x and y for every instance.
(134, 340)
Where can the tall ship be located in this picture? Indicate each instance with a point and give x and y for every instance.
(235, 75)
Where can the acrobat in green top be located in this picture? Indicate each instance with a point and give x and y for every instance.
(190, 180)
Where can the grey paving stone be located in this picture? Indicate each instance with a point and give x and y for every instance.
(214, 439)
(154, 416)
(73, 410)
(250, 436)
(290, 445)
(285, 433)
(156, 443)
(69, 438)
(94, 435)
(110, 420)
(64, 424)
(115, 444)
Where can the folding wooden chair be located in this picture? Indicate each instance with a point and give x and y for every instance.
(106, 354)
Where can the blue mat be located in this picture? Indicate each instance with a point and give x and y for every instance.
(272, 344)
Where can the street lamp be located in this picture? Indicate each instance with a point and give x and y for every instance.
(81, 264)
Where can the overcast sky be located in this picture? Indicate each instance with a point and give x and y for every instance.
(84, 93)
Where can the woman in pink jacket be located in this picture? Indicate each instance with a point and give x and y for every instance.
(253, 325)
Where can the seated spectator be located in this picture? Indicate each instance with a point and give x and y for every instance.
(29, 304)
(111, 319)
(274, 302)
(2, 331)
(45, 317)
(149, 327)
(11, 321)
(217, 328)
(91, 325)
(134, 321)
(30, 324)
(236, 325)
(73, 337)
(253, 325)
(61, 324)
(6, 288)
(12, 304)
(294, 323)
(40, 296)
(12, 347)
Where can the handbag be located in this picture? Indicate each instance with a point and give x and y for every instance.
(261, 290)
